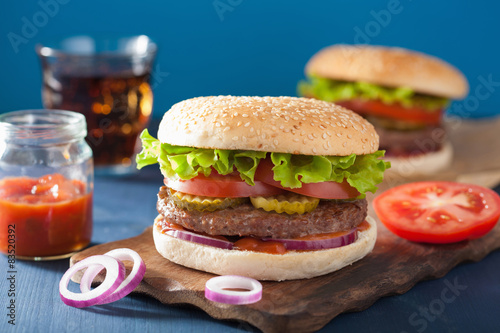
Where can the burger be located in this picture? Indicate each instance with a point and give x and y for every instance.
(401, 92)
(271, 188)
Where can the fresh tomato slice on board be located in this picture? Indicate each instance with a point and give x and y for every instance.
(395, 111)
(216, 185)
(438, 211)
(323, 190)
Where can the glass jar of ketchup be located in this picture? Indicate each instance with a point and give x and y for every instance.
(46, 184)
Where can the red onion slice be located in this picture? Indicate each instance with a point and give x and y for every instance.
(130, 282)
(115, 273)
(249, 291)
(320, 244)
(200, 239)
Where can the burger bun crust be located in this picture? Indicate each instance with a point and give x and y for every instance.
(423, 164)
(272, 124)
(391, 67)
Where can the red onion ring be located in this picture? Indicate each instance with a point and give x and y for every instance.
(216, 289)
(115, 273)
(291, 244)
(128, 284)
(193, 237)
(319, 244)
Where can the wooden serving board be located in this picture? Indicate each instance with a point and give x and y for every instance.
(393, 267)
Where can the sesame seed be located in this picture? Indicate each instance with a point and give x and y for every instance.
(315, 135)
(310, 137)
(251, 128)
(227, 128)
(239, 124)
(344, 144)
(273, 128)
(314, 150)
(235, 138)
(349, 136)
(275, 142)
(339, 135)
(324, 136)
(248, 124)
(295, 139)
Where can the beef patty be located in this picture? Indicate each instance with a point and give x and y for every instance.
(246, 220)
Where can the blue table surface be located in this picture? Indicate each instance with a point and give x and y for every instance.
(125, 207)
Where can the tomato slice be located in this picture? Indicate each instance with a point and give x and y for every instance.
(323, 190)
(438, 212)
(395, 111)
(227, 186)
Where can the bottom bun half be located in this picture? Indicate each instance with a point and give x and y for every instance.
(422, 164)
(264, 266)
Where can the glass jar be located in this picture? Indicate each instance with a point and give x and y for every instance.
(46, 184)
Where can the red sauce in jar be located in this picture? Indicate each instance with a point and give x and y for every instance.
(52, 215)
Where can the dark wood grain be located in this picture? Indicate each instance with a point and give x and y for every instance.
(393, 267)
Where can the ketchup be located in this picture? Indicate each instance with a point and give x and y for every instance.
(264, 246)
(50, 215)
(257, 245)
(363, 226)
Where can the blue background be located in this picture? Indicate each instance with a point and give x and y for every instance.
(252, 47)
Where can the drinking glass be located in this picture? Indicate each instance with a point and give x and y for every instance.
(107, 79)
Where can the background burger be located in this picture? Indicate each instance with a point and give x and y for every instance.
(401, 92)
(267, 187)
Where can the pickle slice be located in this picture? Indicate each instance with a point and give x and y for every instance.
(289, 203)
(202, 204)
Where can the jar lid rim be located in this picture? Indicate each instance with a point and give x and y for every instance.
(42, 125)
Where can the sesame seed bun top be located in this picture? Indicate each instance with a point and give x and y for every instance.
(389, 66)
(272, 124)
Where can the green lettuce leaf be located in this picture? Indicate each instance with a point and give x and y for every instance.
(363, 172)
(333, 91)
(180, 162)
